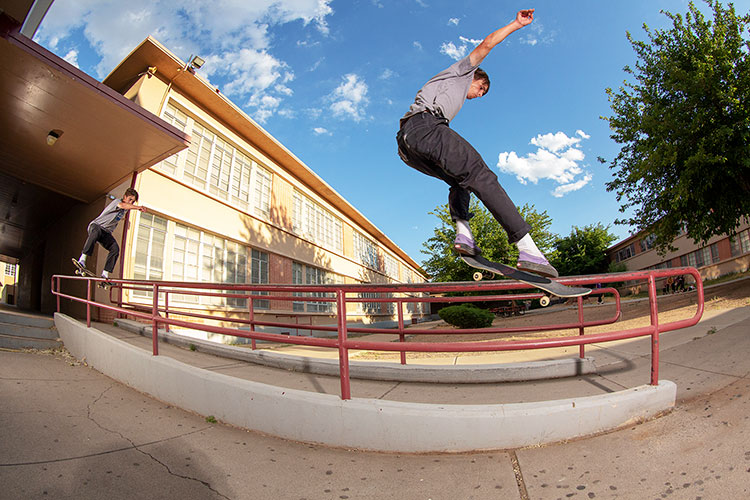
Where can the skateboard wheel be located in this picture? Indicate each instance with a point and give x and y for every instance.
(544, 301)
(477, 276)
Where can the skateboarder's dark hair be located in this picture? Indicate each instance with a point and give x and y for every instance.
(480, 74)
(131, 192)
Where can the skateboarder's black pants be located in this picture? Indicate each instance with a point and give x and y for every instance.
(105, 239)
(426, 143)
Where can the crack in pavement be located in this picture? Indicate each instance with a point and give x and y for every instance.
(133, 446)
(137, 447)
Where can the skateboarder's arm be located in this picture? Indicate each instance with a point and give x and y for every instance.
(523, 18)
(130, 206)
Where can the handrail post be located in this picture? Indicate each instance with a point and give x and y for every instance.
(154, 321)
(251, 317)
(343, 351)
(88, 303)
(166, 309)
(401, 337)
(655, 334)
(582, 347)
(57, 289)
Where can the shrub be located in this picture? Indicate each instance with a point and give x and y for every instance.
(466, 316)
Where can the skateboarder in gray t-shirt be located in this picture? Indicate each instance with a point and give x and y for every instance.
(100, 229)
(426, 143)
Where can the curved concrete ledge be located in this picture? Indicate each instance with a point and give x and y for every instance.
(360, 423)
(443, 374)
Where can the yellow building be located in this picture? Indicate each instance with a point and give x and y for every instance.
(8, 278)
(237, 206)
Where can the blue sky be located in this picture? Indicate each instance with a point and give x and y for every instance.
(331, 78)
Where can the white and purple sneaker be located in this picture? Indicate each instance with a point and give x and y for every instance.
(465, 245)
(537, 265)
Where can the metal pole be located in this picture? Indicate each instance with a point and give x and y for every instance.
(251, 312)
(154, 322)
(343, 351)
(582, 347)
(125, 227)
(88, 303)
(166, 309)
(401, 337)
(655, 334)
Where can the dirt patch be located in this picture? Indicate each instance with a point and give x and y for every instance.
(634, 314)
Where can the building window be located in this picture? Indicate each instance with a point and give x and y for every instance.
(150, 243)
(196, 256)
(365, 251)
(391, 266)
(701, 257)
(308, 275)
(259, 276)
(647, 243)
(626, 253)
(740, 243)
(314, 222)
(213, 165)
(10, 270)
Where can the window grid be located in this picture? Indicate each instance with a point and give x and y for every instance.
(366, 251)
(150, 245)
(196, 256)
(259, 275)
(308, 275)
(740, 243)
(213, 165)
(314, 222)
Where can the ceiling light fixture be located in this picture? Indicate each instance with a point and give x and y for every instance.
(53, 136)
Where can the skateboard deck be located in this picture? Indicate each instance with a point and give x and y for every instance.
(82, 271)
(546, 284)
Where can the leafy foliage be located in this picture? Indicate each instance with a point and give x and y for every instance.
(466, 316)
(684, 127)
(444, 265)
(583, 251)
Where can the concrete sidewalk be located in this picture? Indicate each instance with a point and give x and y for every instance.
(69, 431)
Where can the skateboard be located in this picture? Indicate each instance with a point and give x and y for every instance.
(547, 285)
(82, 271)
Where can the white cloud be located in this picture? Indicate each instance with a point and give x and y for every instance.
(557, 158)
(231, 35)
(454, 21)
(457, 52)
(387, 74)
(561, 191)
(417, 45)
(72, 57)
(321, 131)
(451, 50)
(349, 99)
(535, 34)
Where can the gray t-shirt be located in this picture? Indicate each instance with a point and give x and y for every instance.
(445, 93)
(110, 216)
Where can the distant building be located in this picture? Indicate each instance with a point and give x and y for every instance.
(238, 207)
(8, 279)
(719, 256)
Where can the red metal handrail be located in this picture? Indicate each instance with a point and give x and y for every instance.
(159, 315)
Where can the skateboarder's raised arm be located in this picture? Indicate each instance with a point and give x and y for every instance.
(130, 206)
(523, 18)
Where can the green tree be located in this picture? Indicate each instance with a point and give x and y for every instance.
(443, 264)
(684, 127)
(583, 251)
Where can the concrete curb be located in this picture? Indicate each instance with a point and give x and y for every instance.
(442, 374)
(361, 423)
